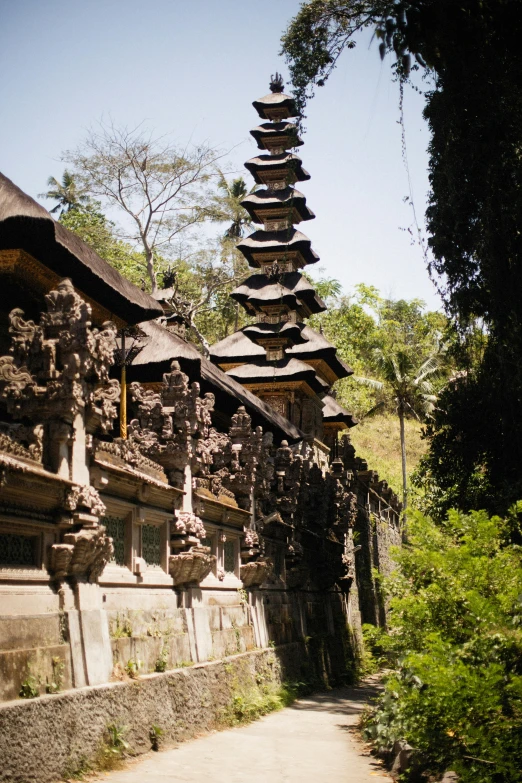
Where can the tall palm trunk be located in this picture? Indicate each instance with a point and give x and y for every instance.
(403, 458)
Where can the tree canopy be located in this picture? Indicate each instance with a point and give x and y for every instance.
(159, 189)
(474, 111)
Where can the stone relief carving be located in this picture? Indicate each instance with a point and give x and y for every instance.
(82, 555)
(126, 453)
(61, 365)
(166, 423)
(22, 441)
(255, 567)
(84, 499)
(191, 562)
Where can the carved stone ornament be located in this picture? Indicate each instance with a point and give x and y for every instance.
(86, 499)
(21, 441)
(166, 423)
(226, 465)
(191, 567)
(126, 453)
(83, 555)
(188, 523)
(60, 365)
(255, 573)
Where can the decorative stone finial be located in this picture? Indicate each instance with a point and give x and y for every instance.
(276, 83)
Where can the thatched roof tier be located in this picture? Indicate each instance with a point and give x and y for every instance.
(265, 246)
(263, 292)
(275, 106)
(27, 226)
(161, 347)
(317, 351)
(270, 204)
(236, 348)
(276, 135)
(285, 370)
(333, 413)
(322, 355)
(292, 289)
(264, 333)
(285, 167)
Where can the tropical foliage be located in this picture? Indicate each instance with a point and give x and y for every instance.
(470, 53)
(456, 631)
(91, 225)
(68, 194)
(159, 190)
(410, 386)
(366, 328)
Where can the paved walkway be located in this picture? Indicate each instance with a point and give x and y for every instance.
(310, 742)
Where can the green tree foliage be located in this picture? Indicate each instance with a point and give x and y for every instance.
(91, 225)
(201, 278)
(227, 206)
(456, 627)
(406, 378)
(160, 190)
(364, 323)
(67, 193)
(200, 284)
(395, 350)
(474, 111)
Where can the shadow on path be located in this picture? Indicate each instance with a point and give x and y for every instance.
(313, 741)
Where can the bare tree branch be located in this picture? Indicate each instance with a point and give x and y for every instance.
(163, 191)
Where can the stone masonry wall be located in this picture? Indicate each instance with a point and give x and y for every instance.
(375, 537)
(49, 738)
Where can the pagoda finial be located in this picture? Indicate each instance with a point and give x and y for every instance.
(276, 83)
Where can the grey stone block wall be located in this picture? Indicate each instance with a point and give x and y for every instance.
(49, 738)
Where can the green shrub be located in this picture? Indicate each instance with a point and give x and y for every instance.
(250, 703)
(456, 625)
(30, 687)
(377, 650)
(113, 749)
(155, 735)
(163, 659)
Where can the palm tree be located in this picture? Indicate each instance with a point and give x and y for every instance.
(227, 206)
(66, 192)
(410, 385)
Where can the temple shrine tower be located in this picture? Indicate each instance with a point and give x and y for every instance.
(284, 362)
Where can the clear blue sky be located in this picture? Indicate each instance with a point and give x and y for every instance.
(192, 69)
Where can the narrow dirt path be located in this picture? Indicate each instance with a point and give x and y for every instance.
(312, 741)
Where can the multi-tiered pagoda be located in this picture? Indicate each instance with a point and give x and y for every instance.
(284, 362)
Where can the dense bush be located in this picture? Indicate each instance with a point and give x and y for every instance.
(456, 624)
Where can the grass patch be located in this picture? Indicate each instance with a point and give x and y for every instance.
(377, 440)
(111, 754)
(251, 702)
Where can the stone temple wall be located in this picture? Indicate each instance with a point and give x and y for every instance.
(55, 737)
(178, 546)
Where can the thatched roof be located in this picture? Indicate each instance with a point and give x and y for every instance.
(238, 348)
(284, 162)
(275, 100)
(264, 293)
(288, 199)
(162, 346)
(235, 348)
(334, 413)
(286, 369)
(292, 286)
(26, 225)
(286, 131)
(270, 242)
(290, 331)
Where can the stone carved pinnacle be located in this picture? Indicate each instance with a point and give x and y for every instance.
(276, 83)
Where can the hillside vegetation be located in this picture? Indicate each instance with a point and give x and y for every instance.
(377, 440)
